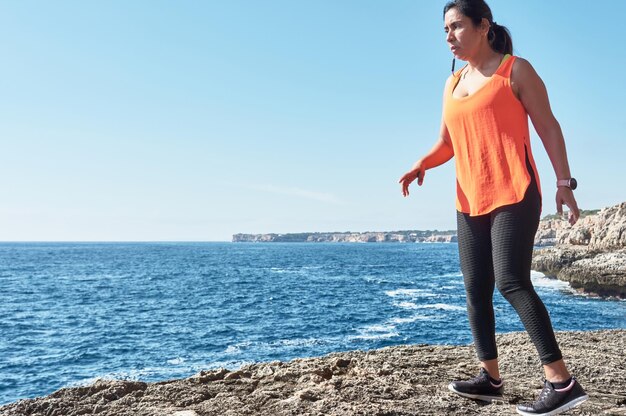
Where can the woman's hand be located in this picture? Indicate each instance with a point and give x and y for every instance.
(565, 195)
(416, 172)
(531, 91)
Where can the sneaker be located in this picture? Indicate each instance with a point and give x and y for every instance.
(553, 401)
(479, 388)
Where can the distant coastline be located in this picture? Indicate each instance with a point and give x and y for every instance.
(545, 236)
(410, 236)
(590, 256)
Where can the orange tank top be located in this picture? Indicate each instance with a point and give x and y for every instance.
(490, 138)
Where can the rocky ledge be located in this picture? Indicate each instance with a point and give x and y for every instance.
(398, 380)
(591, 255)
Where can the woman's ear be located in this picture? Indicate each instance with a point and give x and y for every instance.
(485, 26)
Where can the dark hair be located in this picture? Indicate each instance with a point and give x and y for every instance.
(499, 36)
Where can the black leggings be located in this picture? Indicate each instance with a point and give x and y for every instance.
(496, 248)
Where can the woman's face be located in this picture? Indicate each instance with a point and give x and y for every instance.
(463, 37)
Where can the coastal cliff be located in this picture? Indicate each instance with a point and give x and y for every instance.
(399, 380)
(591, 255)
(412, 236)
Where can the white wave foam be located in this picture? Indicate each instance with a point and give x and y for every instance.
(540, 280)
(275, 344)
(176, 361)
(300, 270)
(297, 342)
(379, 331)
(238, 347)
(412, 293)
(311, 267)
(443, 306)
(406, 292)
(457, 274)
(375, 336)
(232, 349)
(406, 305)
(379, 328)
(377, 280)
(411, 319)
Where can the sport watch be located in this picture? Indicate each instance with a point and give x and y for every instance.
(570, 183)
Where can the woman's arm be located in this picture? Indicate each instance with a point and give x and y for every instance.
(532, 92)
(440, 153)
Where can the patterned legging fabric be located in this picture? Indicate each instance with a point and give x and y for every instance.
(495, 249)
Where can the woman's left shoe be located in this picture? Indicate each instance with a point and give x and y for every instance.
(553, 401)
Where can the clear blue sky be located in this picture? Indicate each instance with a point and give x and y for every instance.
(194, 120)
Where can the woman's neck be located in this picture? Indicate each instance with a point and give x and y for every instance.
(484, 61)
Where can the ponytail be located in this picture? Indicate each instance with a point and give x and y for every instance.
(500, 39)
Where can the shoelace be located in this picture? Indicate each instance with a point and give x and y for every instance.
(542, 396)
(478, 379)
(544, 393)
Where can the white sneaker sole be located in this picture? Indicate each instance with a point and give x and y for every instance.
(474, 396)
(577, 401)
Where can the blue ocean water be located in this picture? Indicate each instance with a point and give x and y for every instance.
(74, 312)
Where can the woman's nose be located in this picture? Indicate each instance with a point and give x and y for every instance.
(449, 36)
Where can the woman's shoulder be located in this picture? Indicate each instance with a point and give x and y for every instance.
(524, 77)
(522, 69)
(519, 61)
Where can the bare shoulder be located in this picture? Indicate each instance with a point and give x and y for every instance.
(522, 71)
(524, 79)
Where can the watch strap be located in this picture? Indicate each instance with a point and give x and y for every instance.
(570, 183)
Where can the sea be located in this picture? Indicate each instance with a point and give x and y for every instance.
(72, 313)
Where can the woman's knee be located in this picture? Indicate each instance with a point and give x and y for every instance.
(510, 286)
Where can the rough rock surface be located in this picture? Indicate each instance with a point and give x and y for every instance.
(399, 380)
(591, 255)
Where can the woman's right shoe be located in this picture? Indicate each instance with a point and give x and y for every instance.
(479, 388)
(553, 401)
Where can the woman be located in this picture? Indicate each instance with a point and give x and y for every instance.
(485, 126)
